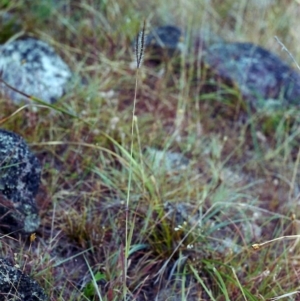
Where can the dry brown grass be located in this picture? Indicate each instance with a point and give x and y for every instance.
(240, 180)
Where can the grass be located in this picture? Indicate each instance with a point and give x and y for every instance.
(116, 227)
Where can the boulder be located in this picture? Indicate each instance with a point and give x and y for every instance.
(261, 76)
(163, 42)
(20, 173)
(33, 67)
(15, 285)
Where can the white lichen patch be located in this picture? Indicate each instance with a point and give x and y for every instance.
(34, 68)
(15, 285)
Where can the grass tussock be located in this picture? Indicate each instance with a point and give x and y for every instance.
(117, 225)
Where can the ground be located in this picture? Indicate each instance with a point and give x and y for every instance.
(116, 226)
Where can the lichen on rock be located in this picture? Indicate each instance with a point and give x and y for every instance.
(167, 37)
(34, 68)
(262, 77)
(164, 42)
(20, 173)
(15, 285)
(166, 161)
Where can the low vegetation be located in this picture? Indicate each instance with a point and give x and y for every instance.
(115, 224)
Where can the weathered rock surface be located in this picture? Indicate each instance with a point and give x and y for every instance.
(260, 75)
(167, 37)
(33, 67)
(20, 173)
(166, 161)
(163, 42)
(15, 285)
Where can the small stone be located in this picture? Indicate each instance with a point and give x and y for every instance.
(262, 77)
(164, 41)
(20, 174)
(166, 161)
(15, 285)
(33, 67)
(167, 37)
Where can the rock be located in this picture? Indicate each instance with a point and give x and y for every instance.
(167, 37)
(164, 41)
(33, 67)
(20, 173)
(218, 229)
(181, 213)
(166, 161)
(262, 77)
(15, 285)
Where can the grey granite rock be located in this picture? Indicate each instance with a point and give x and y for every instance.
(167, 37)
(15, 285)
(163, 42)
(218, 230)
(20, 173)
(261, 76)
(33, 67)
(166, 161)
